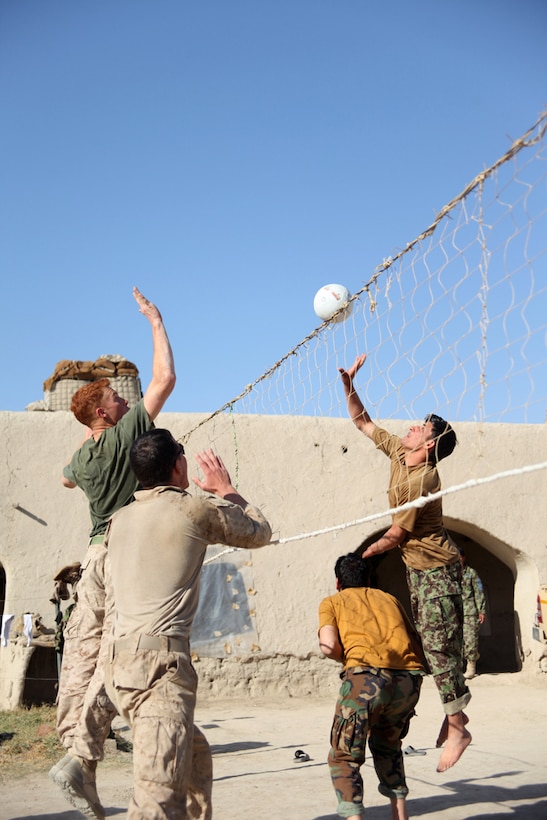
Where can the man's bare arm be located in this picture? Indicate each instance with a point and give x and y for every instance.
(163, 365)
(356, 409)
(329, 643)
(66, 482)
(388, 541)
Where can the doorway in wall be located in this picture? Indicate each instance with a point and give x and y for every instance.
(499, 637)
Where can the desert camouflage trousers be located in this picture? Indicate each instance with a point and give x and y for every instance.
(155, 691)
(437, 609)
(377, 705)
(84, 711)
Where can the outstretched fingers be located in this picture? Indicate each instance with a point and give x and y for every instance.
(351, 372)
(217, 478)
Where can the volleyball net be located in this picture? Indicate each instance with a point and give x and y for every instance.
(455, 324)
(457, 321)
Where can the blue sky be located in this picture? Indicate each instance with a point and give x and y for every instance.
(229, 157)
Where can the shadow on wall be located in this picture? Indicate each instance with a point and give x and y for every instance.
(499, 637)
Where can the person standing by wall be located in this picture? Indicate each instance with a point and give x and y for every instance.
(474, 614)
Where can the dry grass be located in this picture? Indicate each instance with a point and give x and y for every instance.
(28, 741)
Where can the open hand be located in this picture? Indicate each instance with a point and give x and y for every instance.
(349, 374)
(217, 478)
(146, 307)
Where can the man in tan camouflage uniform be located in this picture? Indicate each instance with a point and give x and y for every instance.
(101, 469)
(368, 631)
(433, 568)
(156, 548)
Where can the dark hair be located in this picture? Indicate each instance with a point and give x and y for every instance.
(352, 571)
(152, 457)
(443, 436)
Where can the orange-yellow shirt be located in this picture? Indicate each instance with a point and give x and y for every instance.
(373, 629)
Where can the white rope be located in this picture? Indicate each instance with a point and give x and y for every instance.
(419, 502)
(219, 554)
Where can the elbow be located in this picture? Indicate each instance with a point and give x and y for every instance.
(267, 534)
(166, 384)
(327, 650)
(170, 381)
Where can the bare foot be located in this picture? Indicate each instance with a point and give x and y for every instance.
(443, 734)
(456, 744)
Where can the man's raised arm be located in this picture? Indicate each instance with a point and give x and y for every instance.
(356, 410)
(163, 365)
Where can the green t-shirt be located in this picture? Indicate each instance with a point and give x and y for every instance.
(101, 468)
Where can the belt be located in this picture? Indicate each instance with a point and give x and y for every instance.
(370, 670)
(97, 539)
(161, 643)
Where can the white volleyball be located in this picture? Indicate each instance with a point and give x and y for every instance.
(329, 299)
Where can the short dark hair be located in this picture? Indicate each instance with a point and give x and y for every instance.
(352, 571)
(443, 436)
(152, 457)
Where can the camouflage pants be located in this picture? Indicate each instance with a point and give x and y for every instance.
(155, 691)
(437, 609)
(377, 705)
(84, 711)
(471, 627)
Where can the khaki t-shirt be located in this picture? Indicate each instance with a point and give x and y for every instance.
(373, 628)
(428, 544)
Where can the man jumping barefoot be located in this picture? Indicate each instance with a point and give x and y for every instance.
(433, 567)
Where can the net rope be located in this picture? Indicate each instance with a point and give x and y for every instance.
(454, 323)
(454, 319)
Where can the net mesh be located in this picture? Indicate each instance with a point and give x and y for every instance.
(454, 324)
(456, 321)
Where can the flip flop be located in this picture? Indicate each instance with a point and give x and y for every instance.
(301, 756)
(410, 750)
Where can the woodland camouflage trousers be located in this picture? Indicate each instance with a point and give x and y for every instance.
(374, 704)
(437, 609)
(471, 628)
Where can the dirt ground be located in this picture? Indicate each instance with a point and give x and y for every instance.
(502, 773)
